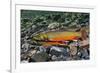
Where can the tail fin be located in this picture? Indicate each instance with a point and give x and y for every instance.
(83, 34)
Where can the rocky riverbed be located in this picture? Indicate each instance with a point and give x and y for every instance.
(35, 29)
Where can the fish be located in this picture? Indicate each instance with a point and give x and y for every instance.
(57, 37)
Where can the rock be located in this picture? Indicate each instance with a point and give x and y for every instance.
(58, 51)
(53, 25)
(54, 58)
(40, 57)
(25, 47)
(73, 48)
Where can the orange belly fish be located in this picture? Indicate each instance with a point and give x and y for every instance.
(57, 38)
